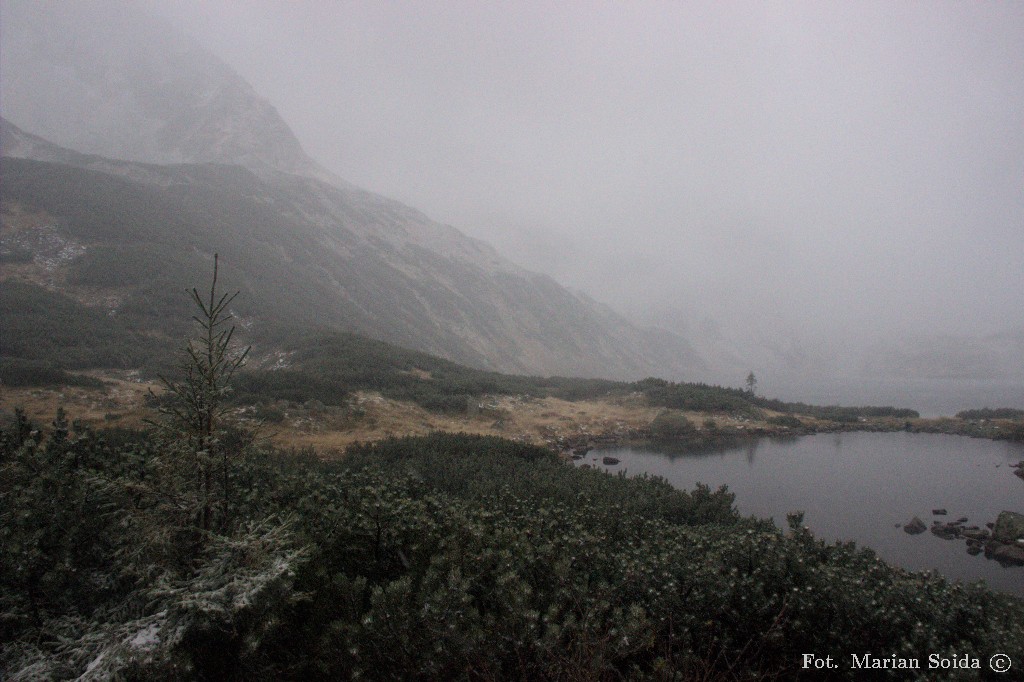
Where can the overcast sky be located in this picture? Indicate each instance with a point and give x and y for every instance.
(821, 167)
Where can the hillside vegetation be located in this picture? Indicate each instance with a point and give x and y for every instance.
(445, 557)
(117, 239)
(194, 550)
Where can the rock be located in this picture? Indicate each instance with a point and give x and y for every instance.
(939, 512)
(609, 460)
(1009, 527)
(915, 527)
(576, 457)
(974, 534)
(581, 450)
(1008, 555)
(962, 519)
(990, 525)
(974, 550)
(946, 531)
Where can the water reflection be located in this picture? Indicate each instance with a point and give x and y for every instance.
(752, 450)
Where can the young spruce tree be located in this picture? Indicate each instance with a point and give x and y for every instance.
(195, 413)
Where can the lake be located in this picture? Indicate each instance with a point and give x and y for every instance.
(862, 487)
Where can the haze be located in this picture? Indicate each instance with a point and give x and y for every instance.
(799, 183)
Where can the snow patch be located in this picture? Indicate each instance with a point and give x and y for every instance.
(146, 638)
(95, 662)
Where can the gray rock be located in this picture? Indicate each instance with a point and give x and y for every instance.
(1009, 527)
(939, 512)
(946, 531)
(1008, 555)
(974, 534)
(915, 527)
(609, 460)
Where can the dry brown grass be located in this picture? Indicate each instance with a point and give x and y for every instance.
(121, 402)
(369, 417)
(541, 421)
(331, 430)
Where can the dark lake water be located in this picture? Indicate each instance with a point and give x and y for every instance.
(859, 486)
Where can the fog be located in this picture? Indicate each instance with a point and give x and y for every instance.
(792, 186)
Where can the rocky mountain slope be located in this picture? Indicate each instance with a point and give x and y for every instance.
(105, 78)
(125, 238)
(176, 157)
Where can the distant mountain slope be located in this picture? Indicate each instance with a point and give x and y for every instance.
(128, 237)
(995, 357)
(104, 78)
(115, 226)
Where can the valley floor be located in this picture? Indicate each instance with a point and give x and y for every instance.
(552, 422)
(369, 416)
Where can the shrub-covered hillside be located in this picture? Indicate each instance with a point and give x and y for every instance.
(328, 366)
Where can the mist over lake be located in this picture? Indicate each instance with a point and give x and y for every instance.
(930, 397)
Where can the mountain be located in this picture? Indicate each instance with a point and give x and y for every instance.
(124, 238)
(131, 155)
(105, 78)
(993, 357)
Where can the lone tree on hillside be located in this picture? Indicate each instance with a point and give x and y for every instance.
(197, 407)
(751, 383)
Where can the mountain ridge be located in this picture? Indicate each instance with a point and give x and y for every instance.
(200, 150)
(311, 254)
(109, 79)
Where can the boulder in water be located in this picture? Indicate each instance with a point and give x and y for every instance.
(915, 527)
(1009, 527)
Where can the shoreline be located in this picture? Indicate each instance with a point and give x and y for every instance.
(562, 425)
